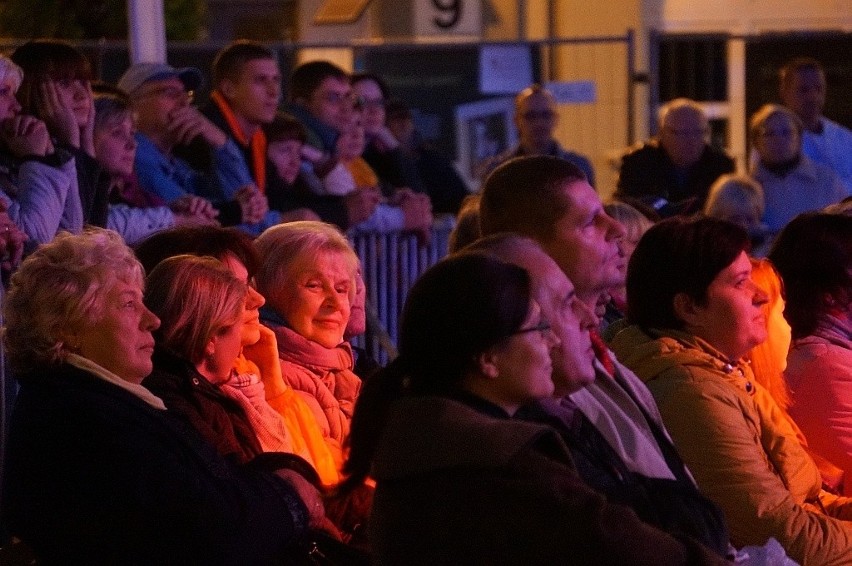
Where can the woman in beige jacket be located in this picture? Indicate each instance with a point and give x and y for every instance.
(694, 314)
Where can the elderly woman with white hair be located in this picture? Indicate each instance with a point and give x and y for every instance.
(308, 275)
(38, 182)
(97, 471)
(792, 182)
(739, 199)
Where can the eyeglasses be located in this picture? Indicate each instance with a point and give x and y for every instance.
(543, 326)
(172, 93)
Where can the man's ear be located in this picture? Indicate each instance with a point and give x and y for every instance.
(686, 309)
(486, 363)
(227, 88)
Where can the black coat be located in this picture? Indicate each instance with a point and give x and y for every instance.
(94, 475)
(457, 486)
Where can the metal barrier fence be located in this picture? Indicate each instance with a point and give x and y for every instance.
(391, 263)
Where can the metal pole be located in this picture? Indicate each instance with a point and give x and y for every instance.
(147, 31)
(631, 76)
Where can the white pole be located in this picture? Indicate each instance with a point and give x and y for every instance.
(147, 31)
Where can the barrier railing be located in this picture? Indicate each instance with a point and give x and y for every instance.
(390, 265)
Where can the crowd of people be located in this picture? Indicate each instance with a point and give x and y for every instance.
(659, 380)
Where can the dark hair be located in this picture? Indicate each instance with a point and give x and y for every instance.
(360, 77)
(307, 77)
(459, 308)
(284, 127)
(47, 59)
(199, 241)
(524, 195)
(678, 255)
(813, 254)
(229, 62)
(789, 70)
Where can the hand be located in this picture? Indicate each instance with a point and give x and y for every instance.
(57, 114)
(187, 123)
(12, 241)
(361, 203)
(384, 139)
(26, 135)
(183, 219)
(252, 203)
(309, 495)
(417, 210)
(192, 205)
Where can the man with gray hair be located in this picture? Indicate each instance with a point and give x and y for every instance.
(673, 172)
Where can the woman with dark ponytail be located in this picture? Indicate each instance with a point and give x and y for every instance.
(458, 481)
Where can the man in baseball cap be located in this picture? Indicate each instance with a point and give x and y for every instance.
(161, 97)
(140, 73)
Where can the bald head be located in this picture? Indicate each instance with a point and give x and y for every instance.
(683, 131)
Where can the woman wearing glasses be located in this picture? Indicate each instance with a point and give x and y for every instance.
(458, 480)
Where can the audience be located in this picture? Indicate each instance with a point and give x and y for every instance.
(739, 199)
(792, 183)
(161, 99)
(635, 225)
(39, 181)
(669, 505)
(441, 179)
(133, 212)
(769, 358)
(695, 313)
(409, 211)
(308, 276)
(56, 88)
(564, 215)
(383, 150)
(435, 430)
(813, 254)
(97, 471)
(673, 171)
(803, 90)
(536, 118)
(257, 369)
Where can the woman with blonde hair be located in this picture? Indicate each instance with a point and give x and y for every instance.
(769, 360)
(257, 368)
(97, 470)
(792, 182)
(308, 275)
(739, 199)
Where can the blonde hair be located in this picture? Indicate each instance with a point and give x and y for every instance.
(769, 359)
(9, 70)
(738, 191)
(285, 247)
(195, 299)
(765, 112)
(635, 223)
(60, 287)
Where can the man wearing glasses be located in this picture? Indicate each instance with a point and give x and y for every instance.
(536, 119)
(673, 172)
(161, 98)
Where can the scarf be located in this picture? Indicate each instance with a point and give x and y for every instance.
(247, 390)
(256, 145)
